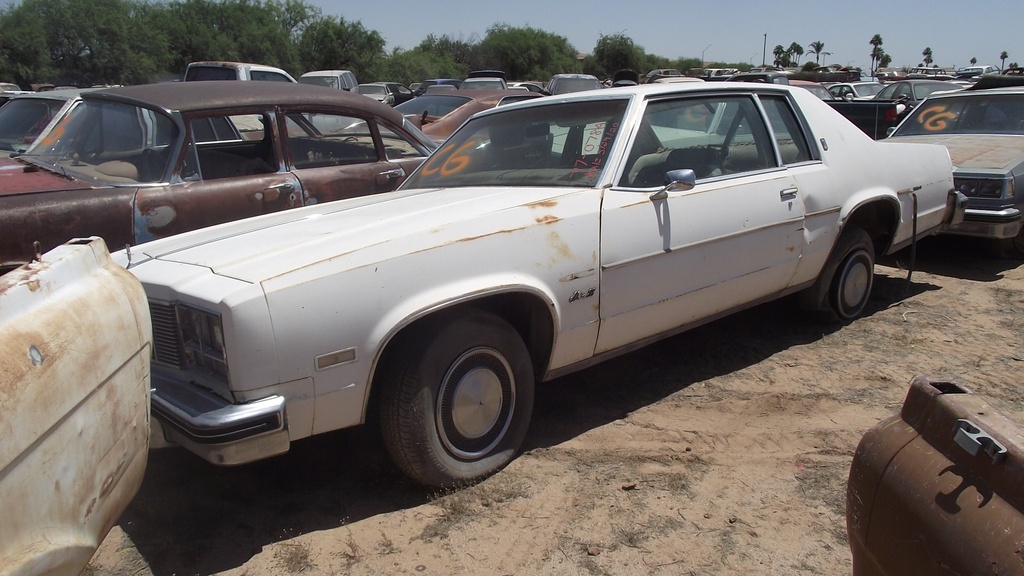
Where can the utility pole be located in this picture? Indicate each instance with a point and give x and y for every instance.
(764, 49)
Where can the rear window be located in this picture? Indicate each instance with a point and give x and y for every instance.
(988, 114)
(196, 73)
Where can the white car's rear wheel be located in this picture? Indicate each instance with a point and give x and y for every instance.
(843, 287)
(457, 398)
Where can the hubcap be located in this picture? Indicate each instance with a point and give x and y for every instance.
(856, 282)
(475, 404)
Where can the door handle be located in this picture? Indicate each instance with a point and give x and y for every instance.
(393, 173)
(788, 194)
(973, 440)
(274, 191)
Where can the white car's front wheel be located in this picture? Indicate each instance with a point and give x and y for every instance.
(457, 398)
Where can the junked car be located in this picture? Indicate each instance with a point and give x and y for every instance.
(228, 70)
(542, 237)
(938, 488)
(142, 162)
(983, 129)
(855, 90)
(441, 126)
(75, 346)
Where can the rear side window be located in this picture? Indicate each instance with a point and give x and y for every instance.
(266, 76)
(789, 136)
(316, 140)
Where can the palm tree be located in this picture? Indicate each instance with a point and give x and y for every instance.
(1002, 60)
(817, 48)
(780, 55)
(973, 60)
(876, 52)
(927, 53)
(797, 51)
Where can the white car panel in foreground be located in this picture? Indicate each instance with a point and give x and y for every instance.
(540, 238)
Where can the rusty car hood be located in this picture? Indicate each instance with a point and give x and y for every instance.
(17, 177)
(978, 151)
(356, 232)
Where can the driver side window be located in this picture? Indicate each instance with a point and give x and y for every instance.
(713, 136)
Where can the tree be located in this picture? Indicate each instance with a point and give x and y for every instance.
(526, 53)
(331, 42)
(1002, 60)
(876, 52)
(818, 49)
(459, 51)
(796, 51)
(82, 42)
(973, 60)
(408, 66)
(781, 56)
(615, 52)
(927, 54)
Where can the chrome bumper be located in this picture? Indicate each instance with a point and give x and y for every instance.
(214, 429)
(987, 224)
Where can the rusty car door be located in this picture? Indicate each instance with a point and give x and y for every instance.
(230, 169)
(337, 156)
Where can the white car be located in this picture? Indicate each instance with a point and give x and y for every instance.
(541, 238)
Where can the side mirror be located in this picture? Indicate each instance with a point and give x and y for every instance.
(678, 180)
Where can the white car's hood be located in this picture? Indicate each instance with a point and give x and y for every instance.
(977, 151)
(361, 230)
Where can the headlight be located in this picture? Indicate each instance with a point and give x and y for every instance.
(188, 338)
(980, 187)
(202, 335)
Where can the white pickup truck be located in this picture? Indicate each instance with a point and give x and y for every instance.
(75, 345)
(541, 238)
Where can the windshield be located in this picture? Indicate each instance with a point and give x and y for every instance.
(556, 145)
(22, 119)
(108, 142)
(565, 85)
(984, 114)
(371, 90)
(866, 90)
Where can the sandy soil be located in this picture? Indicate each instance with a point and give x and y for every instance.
(724, 450)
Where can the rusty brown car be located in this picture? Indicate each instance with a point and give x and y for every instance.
(440, 114)
(137, 163)
(938, 488)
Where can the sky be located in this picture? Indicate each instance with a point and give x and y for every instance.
(726, 30)
(732, 31)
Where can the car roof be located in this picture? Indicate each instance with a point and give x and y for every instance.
(62, 94)
(656, 89)
(214, 95)
(334, 72)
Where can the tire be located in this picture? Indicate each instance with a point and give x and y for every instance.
(843, 289)
(456, 399)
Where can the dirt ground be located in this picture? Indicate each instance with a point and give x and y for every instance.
(724, 450)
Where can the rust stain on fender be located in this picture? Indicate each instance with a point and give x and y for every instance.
(75, 339)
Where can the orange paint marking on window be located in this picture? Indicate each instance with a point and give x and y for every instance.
(936, 118)
(451, 165)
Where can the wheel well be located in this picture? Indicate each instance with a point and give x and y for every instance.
(528, 315)
(879, 219)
